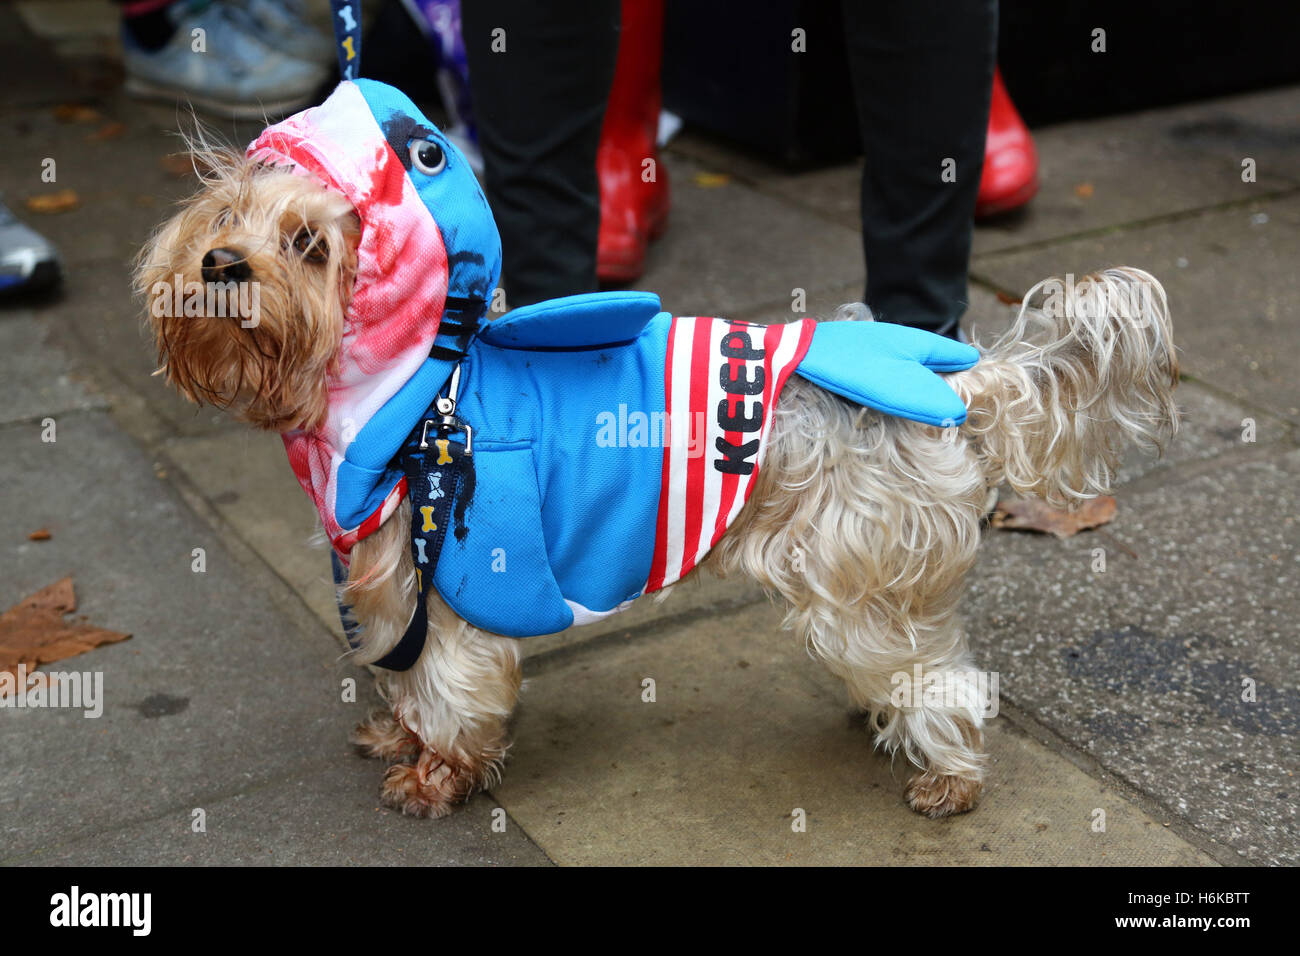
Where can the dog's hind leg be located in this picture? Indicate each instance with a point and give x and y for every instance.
(932, 712)
(925, 701)
(866, 526)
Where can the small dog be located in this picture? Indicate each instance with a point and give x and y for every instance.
(884, 513)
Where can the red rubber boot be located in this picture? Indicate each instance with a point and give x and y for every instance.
(634, 194)
(1010, 177)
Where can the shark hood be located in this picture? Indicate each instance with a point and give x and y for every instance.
(428, 261)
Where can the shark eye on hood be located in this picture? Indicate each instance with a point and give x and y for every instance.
(427, 156)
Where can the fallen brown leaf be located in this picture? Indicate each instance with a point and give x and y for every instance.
(40, 534)
(75, 113)
(710, 180)
(60, 201)
(110, 130)
(34, 631)
(1084, 190)
(1007, 299)
(1019, 514)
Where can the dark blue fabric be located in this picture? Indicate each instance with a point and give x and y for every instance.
(351, 627)
(439, 484)
(347, 36)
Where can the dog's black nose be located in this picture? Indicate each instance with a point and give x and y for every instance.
(225, 265)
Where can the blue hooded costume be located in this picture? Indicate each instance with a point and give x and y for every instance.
(612, 443)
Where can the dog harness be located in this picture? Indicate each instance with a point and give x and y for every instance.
(572, 455)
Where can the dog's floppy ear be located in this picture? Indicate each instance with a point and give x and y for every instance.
(890, 368)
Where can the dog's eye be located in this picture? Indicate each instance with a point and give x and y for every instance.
(311, 246)
(428, 157)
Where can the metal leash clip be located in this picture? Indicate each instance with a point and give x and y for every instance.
(449, 423)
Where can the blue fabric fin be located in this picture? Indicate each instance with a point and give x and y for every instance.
(575, 321)
(890, 368)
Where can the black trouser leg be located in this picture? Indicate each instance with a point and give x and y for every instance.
(539, 106)
(922, 74)
(149, 23)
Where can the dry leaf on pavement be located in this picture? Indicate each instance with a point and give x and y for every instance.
(1019, 514)
(710, 180)
(110, 130)
(60, 201)
(34, 631)
(75, 113)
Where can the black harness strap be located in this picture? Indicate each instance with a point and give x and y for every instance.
(439, 483)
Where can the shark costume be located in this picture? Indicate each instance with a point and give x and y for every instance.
(606, 445)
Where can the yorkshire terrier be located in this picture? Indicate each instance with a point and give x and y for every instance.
(882, 514)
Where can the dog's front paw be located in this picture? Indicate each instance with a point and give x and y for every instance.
(940, 794)
(429, 787)
(381, 735)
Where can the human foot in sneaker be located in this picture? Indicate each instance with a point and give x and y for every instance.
(286, 26)
(27, 259)
(216, 61)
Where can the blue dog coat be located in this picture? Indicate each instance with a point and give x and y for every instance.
(613, 444)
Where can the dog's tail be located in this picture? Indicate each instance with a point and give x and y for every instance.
(1087, 367)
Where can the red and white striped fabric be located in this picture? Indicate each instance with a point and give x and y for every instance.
(721, 382)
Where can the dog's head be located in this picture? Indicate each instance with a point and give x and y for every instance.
(248, 285)
(302, 286)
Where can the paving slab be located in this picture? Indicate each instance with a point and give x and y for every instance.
(832, 192)
(1212, 429)
(97, 321)
(1096, 174)
(729, 248)
(221, 688)
(113, 162)
(324, 816)
(245, 476)
(40, 386)
(744, 732)
(708, 774)
(1144, 665)
(1232, 284)
(1105, 173)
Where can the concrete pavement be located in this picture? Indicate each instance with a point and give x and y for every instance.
(1122, 690)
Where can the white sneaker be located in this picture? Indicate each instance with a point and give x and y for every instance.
(216, 62)
(285, 25)
(27, 259)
